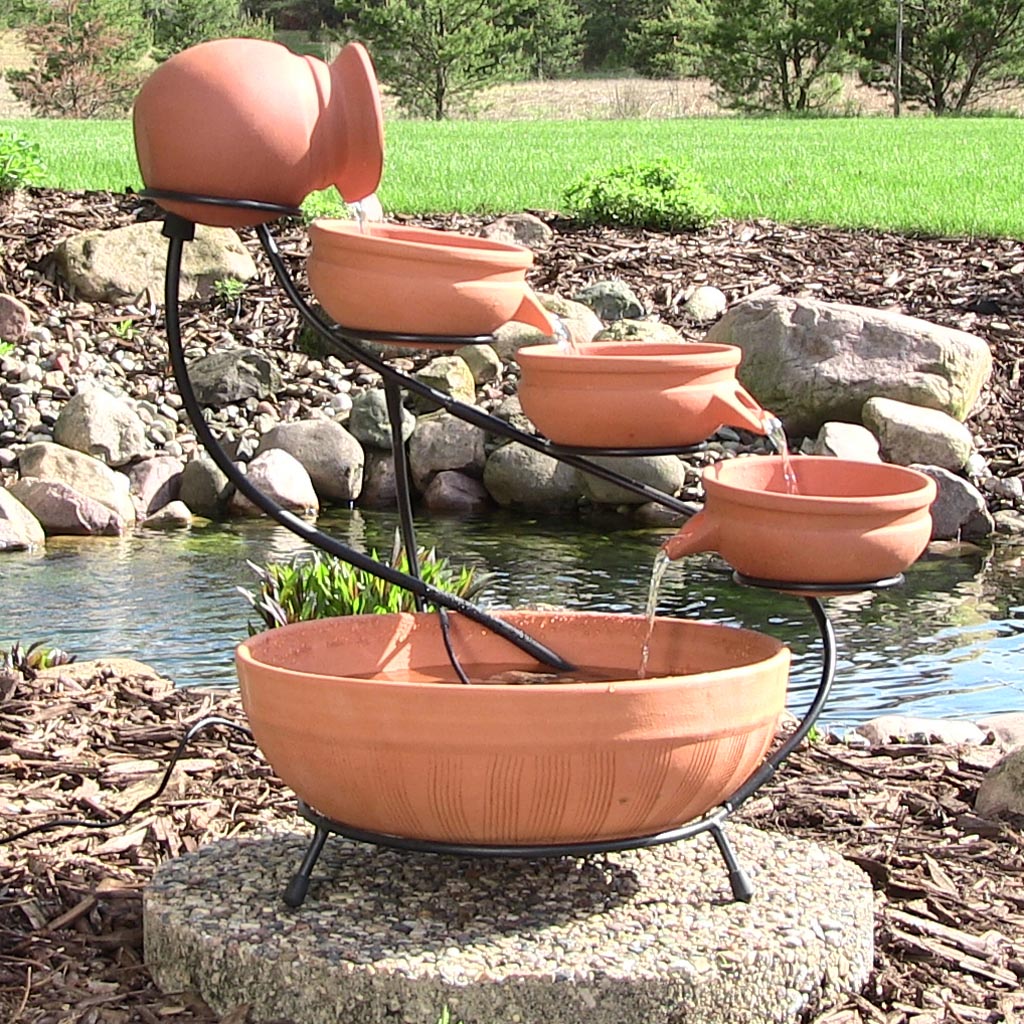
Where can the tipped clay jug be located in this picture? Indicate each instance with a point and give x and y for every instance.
(249, 119)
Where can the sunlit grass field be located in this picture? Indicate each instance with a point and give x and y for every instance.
(954, 176)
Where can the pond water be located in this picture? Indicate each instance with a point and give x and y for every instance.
(948, 643)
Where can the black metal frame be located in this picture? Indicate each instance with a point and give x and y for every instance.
(346, 344)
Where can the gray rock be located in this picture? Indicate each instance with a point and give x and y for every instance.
(451, 376)
(81, 473)
(1006, 729)
(518, 229)
(908, 434)
(368, 421)
(20, 530)
(443, 442)
(155, 482)
(580, 321)
(511, 337)
(1009, 522)
(204, 487)
(380, 489)
(511, 411)
(640, 331)
(1002, 789)
(666, 473)
(233, 375)
(611, 300)
(811, 361)
(907, 729)
(102, 425)
(331, 456)
(282, 478)
(120, 264)
(63, 511)
(15, 319)
(959, 511)
(519, 476)
(483, 362)
(457, 493)
(175, 515)
(846, 441)
(706, 303)
(1010, 488)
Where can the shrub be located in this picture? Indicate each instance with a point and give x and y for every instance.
(659, 196)
(20, 163)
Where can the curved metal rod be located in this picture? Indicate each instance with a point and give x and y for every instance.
(346, 342)
(178, 230)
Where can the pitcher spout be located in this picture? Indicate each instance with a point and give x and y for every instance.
(737, 408)
(532, 312)
(699, 533)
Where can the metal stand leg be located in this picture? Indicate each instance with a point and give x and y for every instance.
(295, 894)
(739, 880)
(393, 394)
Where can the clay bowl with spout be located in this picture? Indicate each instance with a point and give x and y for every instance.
(409, 280)
(634, 394)
(364, 719)
(846, 522)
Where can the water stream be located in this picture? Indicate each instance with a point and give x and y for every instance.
(950, 642)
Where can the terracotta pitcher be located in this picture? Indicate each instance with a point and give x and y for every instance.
(249, 119)
(847, 522)
(409, 280)
(634, 394)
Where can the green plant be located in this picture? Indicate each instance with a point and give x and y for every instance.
(228, 289)
(6, 347)
(20, 163)
(29, 660)
(660, 196)
(325, 586)
(124, 329)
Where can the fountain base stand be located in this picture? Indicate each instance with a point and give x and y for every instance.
(643, 935)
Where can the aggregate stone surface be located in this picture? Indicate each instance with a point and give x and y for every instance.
(645, 936)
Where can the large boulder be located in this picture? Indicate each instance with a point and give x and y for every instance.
(120, 264)
(63, 511)
(369, 423)
(155, 482)
(611, 300)
(331, 456)
(665, 473)
(908, 434)
(102, 425)
(20, 530)
(809, 361)
(205, 488)
(1002, 789)
(451, 376)
(280, 477)
(959, 511)
(443, 442)
(519, 476)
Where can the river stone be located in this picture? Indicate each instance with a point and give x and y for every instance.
(706, 302)
(665, 473)
(233, 375)
(907, 729)
(155, 482)
(909, 434)
(959, 510)
(519, 476)
(368, 421)
(846, 441)
(518, 229)
(204, 487)
(331, 456)
(640, 330)
(175, 515)
(380, 487)
(1010, 522)
(511, 337)
(444, 442)
(20, 530)
(510, 410)
(611, 300)
(81, 473)
(483, 362)
(15, 319)
(1007, 729)
(809, 361)
(456, 493)
(580, 321)
(451, 376)
(1002, 789)
(63, 511)
(283, 479)
(120, 264)
(102, 425)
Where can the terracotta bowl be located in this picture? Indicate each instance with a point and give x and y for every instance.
(363, 718)
(634, 394)
(408, 280)
(849, 522)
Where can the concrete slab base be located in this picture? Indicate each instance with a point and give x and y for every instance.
(642, 937)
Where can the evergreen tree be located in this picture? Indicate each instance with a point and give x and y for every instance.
(178, 24)
(669, 43)
(553, 45)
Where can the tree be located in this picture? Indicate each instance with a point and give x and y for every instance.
(668, 45)
(553, 44)
(178, 24)
(607, 24)
(780, 54)
(954, 51)
(436, 54)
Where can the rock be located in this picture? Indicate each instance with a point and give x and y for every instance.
(1009, 522)
(640, 331)
(451, 376)
(511, 337)
(811, 361)
(81, 473)
(15, 319)
(102, 425)
(121, 264)
(909, 434)
(175, 515)
(706, 303)
(959, 510)
(653, 513)
(233, 375)
(454, 492)
(906, 729)
(666, 473)
(368, 421)
(282, 478)
(580, 321)
(1006, 729)
(846, 441)
(1010, 488)
(1002, 789)
(380, 489)
(20, 530)
(331, 456)
(155, 482)
(611, 300)
(519, 476)
(204, 487)
(518, 229)
(63, 511)
(483, 362)
(511, 411)
(443, 442)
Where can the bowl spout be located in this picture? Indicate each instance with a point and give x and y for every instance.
(532, 312)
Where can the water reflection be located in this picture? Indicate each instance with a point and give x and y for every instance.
(949, 642)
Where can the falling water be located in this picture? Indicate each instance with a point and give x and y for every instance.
(360, 215)
(661, 563)
(563, 337)
(777, 436)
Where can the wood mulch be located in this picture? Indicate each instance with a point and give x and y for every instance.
(90, 742)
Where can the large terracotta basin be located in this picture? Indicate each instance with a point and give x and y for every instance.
(634, 394)
(847, 522)
(363, 718)
(409, 280)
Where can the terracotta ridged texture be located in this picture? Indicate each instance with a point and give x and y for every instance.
(249, 119)
(850, 522)
(342, 711)
(634, 395)
(405, 280)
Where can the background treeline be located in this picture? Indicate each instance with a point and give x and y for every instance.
(87, 56)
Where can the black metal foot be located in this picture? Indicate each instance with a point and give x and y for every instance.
(295, 894)
(739, 880)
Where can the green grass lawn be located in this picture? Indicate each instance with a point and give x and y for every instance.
(937, 176)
